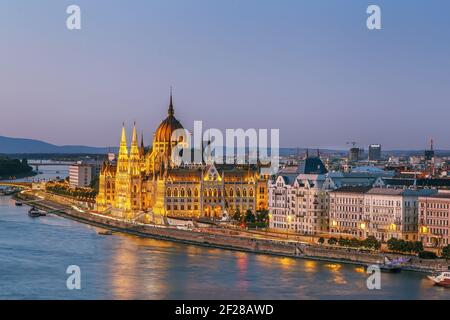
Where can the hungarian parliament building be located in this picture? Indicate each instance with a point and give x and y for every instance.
(144, 181)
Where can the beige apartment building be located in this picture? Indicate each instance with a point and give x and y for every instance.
(380, 212)
(297, 199)
(434, 219)
(346, 212)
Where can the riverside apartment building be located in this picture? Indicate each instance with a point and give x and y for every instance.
(381, 212)
(434, 219)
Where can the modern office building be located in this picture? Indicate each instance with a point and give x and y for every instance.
(374, 152)
(80, 175)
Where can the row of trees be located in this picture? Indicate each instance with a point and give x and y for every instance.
(369, 243)
(399, 245)
(260, 218)
(64, 189)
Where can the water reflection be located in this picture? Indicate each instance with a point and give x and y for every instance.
(128, 267)
(310, 266)
(132, 260)
(337, 276)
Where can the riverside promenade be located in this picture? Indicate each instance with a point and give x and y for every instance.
(229, 239)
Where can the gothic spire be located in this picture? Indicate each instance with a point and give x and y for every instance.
(142, 147)
(134, 151)
(123, 151)
(171, 111)
(134, 139)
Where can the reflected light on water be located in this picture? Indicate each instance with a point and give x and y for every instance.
(286, 263)
(123, 281)
(333, 266)
(336, 271)
(129, 265)
(310, 266)
(360, 270)
(242, 267)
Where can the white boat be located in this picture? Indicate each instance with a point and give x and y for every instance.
(441, 278)
(33, 212)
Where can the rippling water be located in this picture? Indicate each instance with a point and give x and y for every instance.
(34, 255)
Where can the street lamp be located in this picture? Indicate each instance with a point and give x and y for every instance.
(289, 219)
(270, 219)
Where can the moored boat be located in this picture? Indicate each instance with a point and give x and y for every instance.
(18, 203)
(441, 278)
(390, 268)
(105, 233)
(33, 212)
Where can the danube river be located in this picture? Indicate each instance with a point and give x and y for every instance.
(35, 253)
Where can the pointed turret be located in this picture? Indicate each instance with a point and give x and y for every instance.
(123, 151)
(134, 151)
(122, 160)
(134, 167)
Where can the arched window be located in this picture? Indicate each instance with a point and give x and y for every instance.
(251, 192)
(244, 192)
(205, 193)
(189, 192)
(135, 188)
(231, 192)
(182, 192)
(219, 193)
(215, 192)
(175, 192)
(210, 193)
(169, 192)
(195, 192)
(238, 192)
(108, 185)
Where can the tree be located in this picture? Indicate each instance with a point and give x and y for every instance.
(237, 215)
(332, 241)
(95, 184)
(249, 216)
(446, 252)
(262, 216)
(371, 242)
(417, 247)
(321, 240)
(427, 255)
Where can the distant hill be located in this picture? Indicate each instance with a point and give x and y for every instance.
(18, 145)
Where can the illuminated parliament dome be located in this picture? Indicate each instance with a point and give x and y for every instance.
(167, 126)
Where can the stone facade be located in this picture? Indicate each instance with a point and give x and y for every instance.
(149, 181)
(434, 219)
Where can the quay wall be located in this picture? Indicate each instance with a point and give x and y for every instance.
(233, 242)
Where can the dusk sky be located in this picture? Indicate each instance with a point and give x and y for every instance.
(310, 68)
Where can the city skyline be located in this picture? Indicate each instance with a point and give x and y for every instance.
(313, 70)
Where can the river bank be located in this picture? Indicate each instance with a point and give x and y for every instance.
(224, 240)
